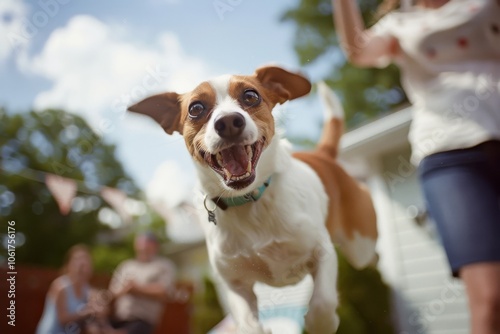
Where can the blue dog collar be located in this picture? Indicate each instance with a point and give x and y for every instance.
(253, 196)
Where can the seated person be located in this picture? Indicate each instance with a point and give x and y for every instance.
(66, 305)
(140, 287)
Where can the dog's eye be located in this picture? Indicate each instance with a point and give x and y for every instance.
(251, 98)
(196, 109)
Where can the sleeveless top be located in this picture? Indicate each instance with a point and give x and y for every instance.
(49, 322)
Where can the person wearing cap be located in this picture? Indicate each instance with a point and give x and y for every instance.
(140, 287)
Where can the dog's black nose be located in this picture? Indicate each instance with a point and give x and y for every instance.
(230, 125)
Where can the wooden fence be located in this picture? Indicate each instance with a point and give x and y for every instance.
(31, 285)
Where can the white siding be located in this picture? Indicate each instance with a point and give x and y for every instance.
(429, 300)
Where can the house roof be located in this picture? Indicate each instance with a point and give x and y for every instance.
(380, 136)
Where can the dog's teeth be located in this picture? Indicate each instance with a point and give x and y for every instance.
(249, 152)
(219, 158)
(249, 167)
(241, 177)
(228, 174)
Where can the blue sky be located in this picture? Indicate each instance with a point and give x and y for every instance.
(95, 57)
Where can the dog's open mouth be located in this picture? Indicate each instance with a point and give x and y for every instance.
(236, 164)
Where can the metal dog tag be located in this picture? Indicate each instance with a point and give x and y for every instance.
(211, 217)
(211, 213)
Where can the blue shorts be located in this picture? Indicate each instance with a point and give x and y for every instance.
(462, 192)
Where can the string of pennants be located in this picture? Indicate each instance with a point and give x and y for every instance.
(64, 190)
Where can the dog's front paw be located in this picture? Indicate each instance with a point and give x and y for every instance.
(322, 319)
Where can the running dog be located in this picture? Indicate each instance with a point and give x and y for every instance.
(272, 215)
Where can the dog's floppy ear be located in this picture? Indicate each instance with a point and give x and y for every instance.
(285, 85)
(163, 108)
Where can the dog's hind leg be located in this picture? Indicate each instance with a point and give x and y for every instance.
(322, 318)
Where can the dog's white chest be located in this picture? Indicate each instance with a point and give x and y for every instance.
(269, 245)
(276, 264)
(275, 239)
(287, 264)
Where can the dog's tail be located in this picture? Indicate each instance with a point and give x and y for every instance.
(333, 127)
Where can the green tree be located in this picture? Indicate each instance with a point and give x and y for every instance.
(365, 305)
(57, 142)
(208, 311)
(366, 93)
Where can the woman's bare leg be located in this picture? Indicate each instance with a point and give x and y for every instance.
(482, 281)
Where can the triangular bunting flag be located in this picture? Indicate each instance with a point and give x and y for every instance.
(63, 190)
(118, 201)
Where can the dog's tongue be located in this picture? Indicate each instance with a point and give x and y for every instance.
(235, 160)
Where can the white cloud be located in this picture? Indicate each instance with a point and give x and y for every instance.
(12, 26)
(97, 70)
(170, 185)
(184, 225)
(171, 191)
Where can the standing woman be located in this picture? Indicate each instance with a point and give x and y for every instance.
(449, 55)
(66, 303)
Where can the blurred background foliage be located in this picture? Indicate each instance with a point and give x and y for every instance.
(365, 303)
(208, 311)
(366, 93)
(61, 143)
